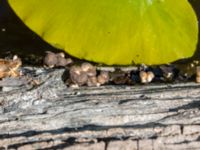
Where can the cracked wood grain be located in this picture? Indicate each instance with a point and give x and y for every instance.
(52, 116)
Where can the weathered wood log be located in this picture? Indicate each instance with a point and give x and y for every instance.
(49, 115)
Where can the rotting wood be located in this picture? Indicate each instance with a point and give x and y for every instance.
(52, 116)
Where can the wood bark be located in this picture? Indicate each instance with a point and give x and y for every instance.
(50, 115)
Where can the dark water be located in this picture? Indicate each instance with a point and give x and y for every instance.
(18, 39)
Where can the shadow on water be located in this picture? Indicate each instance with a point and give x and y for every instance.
(18, 39)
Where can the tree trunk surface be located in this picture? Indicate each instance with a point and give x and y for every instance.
(38, 111)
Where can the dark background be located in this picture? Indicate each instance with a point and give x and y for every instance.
(18, 39)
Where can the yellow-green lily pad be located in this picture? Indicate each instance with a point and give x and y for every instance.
(114, 31)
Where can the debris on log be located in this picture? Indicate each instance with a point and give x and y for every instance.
(50, 115)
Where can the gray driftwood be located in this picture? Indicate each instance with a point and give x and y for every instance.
(53, 116)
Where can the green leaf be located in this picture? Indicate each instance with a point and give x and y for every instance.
(114, 31)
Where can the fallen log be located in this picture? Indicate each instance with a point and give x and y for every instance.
(50, 115)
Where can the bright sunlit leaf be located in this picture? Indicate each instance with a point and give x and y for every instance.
(114, 31)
